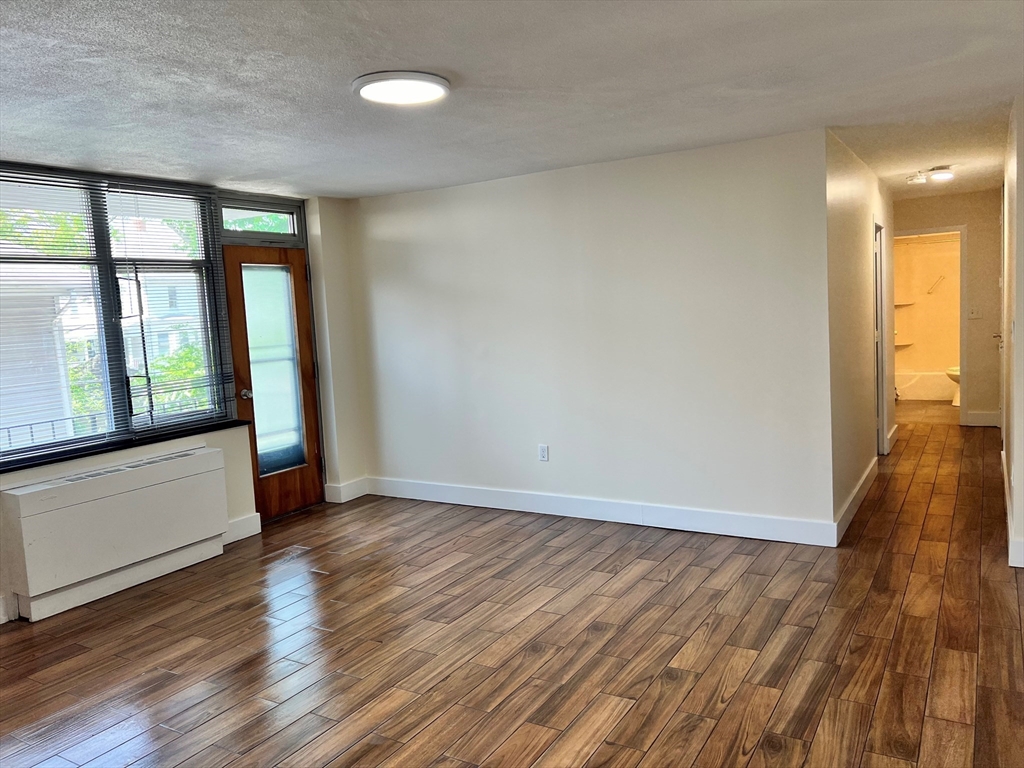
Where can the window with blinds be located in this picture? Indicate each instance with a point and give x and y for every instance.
(111, 316)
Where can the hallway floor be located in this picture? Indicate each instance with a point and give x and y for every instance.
(926, 412)
(396, 633)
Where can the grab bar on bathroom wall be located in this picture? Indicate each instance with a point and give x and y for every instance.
(936, 284)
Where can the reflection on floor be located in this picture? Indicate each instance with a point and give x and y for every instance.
(412, 634)
(927, 412)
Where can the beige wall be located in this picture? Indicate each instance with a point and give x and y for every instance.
(1013, 291)
(234, 442)
(981, 254)
(855, 203)
(932, 322)
(337, 308)
(660, 322)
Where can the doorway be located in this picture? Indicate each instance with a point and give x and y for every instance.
(275, 376)
(929, 323)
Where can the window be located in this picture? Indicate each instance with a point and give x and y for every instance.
(248, 220)
(110, 326)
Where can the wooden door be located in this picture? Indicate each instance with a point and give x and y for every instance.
(275, 375)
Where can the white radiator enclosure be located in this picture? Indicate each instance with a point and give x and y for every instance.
(78, 538)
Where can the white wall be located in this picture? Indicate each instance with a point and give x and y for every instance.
(337, 309)
(660, 322)
(1013, 292)
(855, 203)
(242, 517)
(981, 263)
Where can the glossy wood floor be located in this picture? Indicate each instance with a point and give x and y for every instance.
(395, 633)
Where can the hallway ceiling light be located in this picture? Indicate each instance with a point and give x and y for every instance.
(935, 173)
(401, 88)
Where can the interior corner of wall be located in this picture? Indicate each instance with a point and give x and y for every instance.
(313, 234)
(242, 527)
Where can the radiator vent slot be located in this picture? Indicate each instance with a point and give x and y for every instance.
(124, 467)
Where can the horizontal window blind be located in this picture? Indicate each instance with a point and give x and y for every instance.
(40, 219)
(54, 376)
(157, 245)
(112, 320)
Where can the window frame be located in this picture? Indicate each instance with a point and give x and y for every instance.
(122, 433)
(293, 206)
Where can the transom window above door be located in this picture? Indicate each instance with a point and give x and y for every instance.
(255, 220)
(262, 220)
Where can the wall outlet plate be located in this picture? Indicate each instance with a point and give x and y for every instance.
(542, 452)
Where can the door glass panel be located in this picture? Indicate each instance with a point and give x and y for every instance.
(274, 365)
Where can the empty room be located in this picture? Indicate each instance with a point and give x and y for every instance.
(511, 383)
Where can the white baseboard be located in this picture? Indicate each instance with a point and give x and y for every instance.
(796, 530)
(893, 436)
(1016, 552)
(852, 503)
(982, 419)
(50, 603)
(353, 489)
(1016, 538)
(242, 528)
(751, 526)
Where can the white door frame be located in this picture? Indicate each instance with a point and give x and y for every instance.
(881, 337)
(965, 368)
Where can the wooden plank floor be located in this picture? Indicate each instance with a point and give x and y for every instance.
(395, 633)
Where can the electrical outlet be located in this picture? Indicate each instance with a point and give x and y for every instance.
(542, 452)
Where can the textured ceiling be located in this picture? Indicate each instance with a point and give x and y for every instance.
(974, 146)
(255, 94)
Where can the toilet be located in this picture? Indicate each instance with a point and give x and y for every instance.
(954, 374)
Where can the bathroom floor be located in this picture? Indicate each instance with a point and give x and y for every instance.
(927, 412)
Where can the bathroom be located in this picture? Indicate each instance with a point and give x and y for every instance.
(958, 325)
(926, 276)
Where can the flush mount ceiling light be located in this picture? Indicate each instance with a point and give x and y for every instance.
(401, 88)
(935, 173)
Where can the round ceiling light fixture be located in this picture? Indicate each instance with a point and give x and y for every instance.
(401, 88)
(941, 173)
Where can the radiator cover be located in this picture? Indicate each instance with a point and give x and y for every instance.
(77, 538)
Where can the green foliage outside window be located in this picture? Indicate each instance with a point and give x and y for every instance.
(268, 222)
(49, 232)
(186, 363)
(188, 233)
(85, 380)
